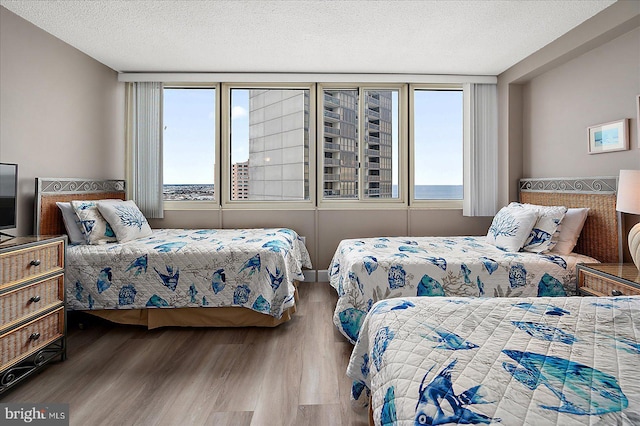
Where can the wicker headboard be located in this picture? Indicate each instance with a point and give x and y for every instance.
(599, 237)
(47, 216)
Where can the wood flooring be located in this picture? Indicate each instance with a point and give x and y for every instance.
(293, 374)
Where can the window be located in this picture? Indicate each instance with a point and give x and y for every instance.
(360, 157)
(269, 144)
(438, 144)
(189, 143)
(369, 138)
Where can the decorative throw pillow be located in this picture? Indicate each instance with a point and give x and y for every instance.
(544, 235)
(511, 227)
(126, 220)
(570, 230)
(71, 223)
(96, 229)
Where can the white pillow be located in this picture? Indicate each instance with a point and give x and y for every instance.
(544, 235)
(570, 229)
(511, 227)
(96, 229)
(126, 220)
(71, 223)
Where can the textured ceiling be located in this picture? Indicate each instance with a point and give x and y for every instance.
(420, 37)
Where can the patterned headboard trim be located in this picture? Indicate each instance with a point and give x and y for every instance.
(600, 234)
(590, 185)
(47, 216)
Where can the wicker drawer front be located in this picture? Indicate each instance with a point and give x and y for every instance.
(28, 339)
(603, 286)
(31, 262)
(24, 301)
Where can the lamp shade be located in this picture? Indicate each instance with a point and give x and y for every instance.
(628, 200)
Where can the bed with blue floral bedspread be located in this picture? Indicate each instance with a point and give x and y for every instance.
(366, 270)
(512, 361)
(179, 268)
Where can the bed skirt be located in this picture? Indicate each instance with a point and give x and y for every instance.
(194, 317)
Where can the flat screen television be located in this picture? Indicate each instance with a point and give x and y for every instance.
(8, 195)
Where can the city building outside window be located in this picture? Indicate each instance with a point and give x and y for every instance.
(360, 157)
(269, 142)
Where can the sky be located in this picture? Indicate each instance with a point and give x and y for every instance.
(239, 125)
(189, 135)
(438, 137)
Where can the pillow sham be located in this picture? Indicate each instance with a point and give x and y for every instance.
(126, 220)
(570, 229)
(511, 227)
(71, 223)
(544, 235)
(96, 229)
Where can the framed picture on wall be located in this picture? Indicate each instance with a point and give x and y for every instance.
(609, 137)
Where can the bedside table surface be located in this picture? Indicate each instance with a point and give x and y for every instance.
(625, 271)
(14, 242)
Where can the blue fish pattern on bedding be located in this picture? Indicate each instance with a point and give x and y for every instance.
(439, 405)
(534, 360)
(179, 268)
(388, 415)
(372, 269)
(447, 339)
(580, 389)
(545, 332)
(127, 295)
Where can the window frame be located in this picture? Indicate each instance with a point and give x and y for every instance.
(198, 204)
(434, 204)
(225, 146)
(362, 203)
(406, 147)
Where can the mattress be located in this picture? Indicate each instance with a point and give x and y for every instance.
(512, 361)
(179, 268)
(364, 271)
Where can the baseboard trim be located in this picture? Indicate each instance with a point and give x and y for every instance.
(309, 276)
(313, 276)
(323, 276)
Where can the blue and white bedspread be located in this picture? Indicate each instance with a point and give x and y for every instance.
(364, 271)
(179, 268)
(511, 361)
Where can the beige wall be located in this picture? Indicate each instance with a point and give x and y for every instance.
(597, 87)
(546, 102)
(589, 76)
(61, 112)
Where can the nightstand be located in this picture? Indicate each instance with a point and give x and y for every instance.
(608, 279)
(32, 311)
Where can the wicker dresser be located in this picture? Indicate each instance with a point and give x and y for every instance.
(32, 311)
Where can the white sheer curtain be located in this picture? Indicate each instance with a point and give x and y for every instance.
(144, 146)
(481, 151)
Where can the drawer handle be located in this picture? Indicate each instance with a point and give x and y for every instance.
(34, 336)
(615, 292)
(34, 299)
(35, 262)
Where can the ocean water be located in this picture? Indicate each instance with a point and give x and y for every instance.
(435, 192)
